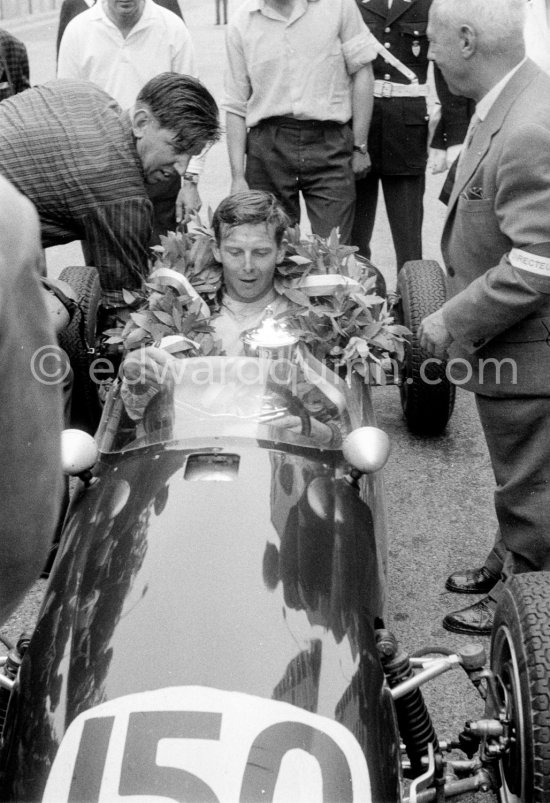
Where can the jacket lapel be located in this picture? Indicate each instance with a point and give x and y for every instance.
(487, 129)
(398, 7)
(379, 7)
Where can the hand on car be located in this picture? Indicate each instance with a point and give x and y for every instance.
(144, 373)
(434, 336)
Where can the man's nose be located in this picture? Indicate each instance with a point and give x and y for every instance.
(248, 263)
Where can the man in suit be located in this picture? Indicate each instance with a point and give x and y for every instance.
(398, 135)
(14, 65)
(495, 327)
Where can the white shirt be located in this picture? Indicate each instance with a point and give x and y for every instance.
(94, 49)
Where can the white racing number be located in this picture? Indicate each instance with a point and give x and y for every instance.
(199, 745)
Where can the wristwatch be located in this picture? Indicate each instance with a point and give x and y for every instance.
(361, 148)
(192, 177)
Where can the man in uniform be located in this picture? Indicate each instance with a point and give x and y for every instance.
(398, 136)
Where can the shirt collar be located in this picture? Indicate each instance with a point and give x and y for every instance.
(248, 308)
(101, 13)
(261, 5)
(484, 105)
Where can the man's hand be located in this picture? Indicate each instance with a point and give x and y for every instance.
(360, 164)
(187, 202)
(239, 185)
(144, 372)
(434, 336)
(437, 160)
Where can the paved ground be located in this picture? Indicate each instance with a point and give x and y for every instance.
(438, 490)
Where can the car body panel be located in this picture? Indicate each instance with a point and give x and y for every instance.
(248, 567)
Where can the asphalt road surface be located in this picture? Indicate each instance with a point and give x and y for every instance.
(439, 490)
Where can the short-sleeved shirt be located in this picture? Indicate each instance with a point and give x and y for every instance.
(300, 65)
(69, 148)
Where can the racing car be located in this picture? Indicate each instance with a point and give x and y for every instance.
(214, 625)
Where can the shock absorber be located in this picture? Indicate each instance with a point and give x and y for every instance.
(415, 724)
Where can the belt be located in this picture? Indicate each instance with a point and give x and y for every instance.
(387, 89)
(294, 122)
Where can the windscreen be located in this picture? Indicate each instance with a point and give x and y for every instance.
(296, 401)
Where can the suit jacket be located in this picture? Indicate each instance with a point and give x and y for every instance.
(496, 244)
(398, 136)
(14, 65)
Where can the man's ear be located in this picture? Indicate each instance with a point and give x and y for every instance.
(140, 120)
(217, 253)
(468, 41)
(281, 252)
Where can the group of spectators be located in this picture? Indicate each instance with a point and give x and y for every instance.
(327, 100)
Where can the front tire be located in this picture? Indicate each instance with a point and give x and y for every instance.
(520, 657)
(427, 396)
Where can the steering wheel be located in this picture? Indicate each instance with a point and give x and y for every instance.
(294, 406)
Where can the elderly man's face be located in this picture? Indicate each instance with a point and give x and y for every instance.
(249, 255)
(445, 50)
(125, 13)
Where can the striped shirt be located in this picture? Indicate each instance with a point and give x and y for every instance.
(68, 147)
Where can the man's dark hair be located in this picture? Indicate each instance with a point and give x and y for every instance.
(181, 104)
(250, 206)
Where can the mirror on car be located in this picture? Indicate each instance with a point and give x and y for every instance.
(79, 452)
(367, 449)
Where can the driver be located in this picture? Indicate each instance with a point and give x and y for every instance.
(249, 229)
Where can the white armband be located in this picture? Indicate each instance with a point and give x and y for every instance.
(532, 263)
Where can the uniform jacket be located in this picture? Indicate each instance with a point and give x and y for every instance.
(398, 137)
(14, 65)
(496, 242)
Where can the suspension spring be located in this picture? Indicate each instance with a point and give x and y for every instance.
(415, 724)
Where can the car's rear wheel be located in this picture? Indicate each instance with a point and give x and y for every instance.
(427, 396)
(77, 339)
(520, 657)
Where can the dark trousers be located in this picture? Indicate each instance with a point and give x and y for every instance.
(308, 157)
(517, 431)
(403, 197)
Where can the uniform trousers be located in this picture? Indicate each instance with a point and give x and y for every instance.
(517, 431)
(287, 156)
(403, 198)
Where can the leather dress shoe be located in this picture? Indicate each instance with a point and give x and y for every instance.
(476, 619)
(471, 581)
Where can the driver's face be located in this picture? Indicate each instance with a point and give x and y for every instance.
(249, 255)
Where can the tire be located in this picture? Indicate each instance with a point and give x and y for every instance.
(520, 657)
(76, 339)
(427, 396)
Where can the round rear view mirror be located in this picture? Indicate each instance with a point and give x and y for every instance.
(79, 452)
(367, 449)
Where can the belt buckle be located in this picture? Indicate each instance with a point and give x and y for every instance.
(387, 89)
(415, 87)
